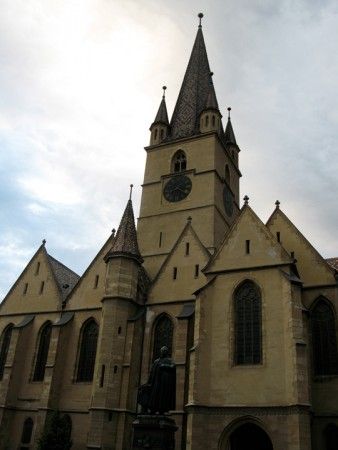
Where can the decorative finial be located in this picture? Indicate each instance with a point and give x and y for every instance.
(200, 15)
(189, 219)
(164, 89)
(246, 200)
(44, 241)
(113, 231)
(229, 109)
(131, 191)
(277, 203)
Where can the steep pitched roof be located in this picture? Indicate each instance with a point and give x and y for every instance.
(162, 114)
(125, 242)
(211, 102)
(333, 262)
(65, 278)
(229, 135)
(194, 92)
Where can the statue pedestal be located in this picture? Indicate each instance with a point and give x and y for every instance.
(154, 432)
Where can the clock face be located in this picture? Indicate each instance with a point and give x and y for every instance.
(228, 201)
(177, 188)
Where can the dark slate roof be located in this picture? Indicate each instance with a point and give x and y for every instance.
(65, 278)
(229, 135)
(125, 242)
(162, 114)
(211, 102)
(194, 92)
(333, 262)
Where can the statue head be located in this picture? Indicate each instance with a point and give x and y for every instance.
(164, 352)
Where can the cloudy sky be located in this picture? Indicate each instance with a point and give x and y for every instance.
(80, 83)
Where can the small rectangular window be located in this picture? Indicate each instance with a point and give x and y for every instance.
(103, 369)
(197, 270)
(247, 246)
(175, 273)
(187, 248)
(42, 285)
(292, 254)
(37, 270)
(160, 240)
(278, 236)
(96, 282)
(25, 288)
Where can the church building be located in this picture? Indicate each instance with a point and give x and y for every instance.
(247, 309)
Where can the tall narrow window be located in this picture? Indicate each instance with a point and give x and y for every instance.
(179, 162)
(42, 353)
(5, 342)
(187, 248)
(156, 132)
(247, 246)
(42, 286)
(160, 240)
(248, 348)
(162, 134)
(96, 282)
(213, 121)
(207, 121)
(27, 430)
(163, 335)
(227, 174)
(197, 270)
(278, 236)
(89, 335)
(324, 339)
(37, 270)
(25, 288)
(174, 273)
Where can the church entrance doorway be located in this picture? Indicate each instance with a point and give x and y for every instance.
(249, 437)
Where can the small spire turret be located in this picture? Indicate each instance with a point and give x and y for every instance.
(160, 127)
(210, 119)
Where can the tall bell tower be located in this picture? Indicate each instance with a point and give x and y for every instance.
(191, 168)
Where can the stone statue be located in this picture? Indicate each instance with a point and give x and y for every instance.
(158, 395)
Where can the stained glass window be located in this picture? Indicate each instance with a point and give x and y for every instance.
(5, 342)
(163, 335)
(87, 355)
(248, 347)
(27, 431)
(324, 339)
(42, 353)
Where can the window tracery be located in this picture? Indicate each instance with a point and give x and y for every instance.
(86, 364)
(324, 339)
(248, 324)
(42, 353)
(163, 335)
(179, 162)
(5, 343)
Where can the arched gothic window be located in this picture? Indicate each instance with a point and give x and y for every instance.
(42, 353)
(5, 342)
(179, 162)
(86, 364)
(27, 430)
(163, 335)
(248, 346)
(324, 339)
(227, 174)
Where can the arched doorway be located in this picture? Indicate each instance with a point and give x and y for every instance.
(249, 436)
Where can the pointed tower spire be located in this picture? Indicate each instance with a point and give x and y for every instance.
(194, 91)
(125, 242)
(162, 114)
(229, 134)
(159, 128)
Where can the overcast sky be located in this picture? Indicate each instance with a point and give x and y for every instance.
(80, 83)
